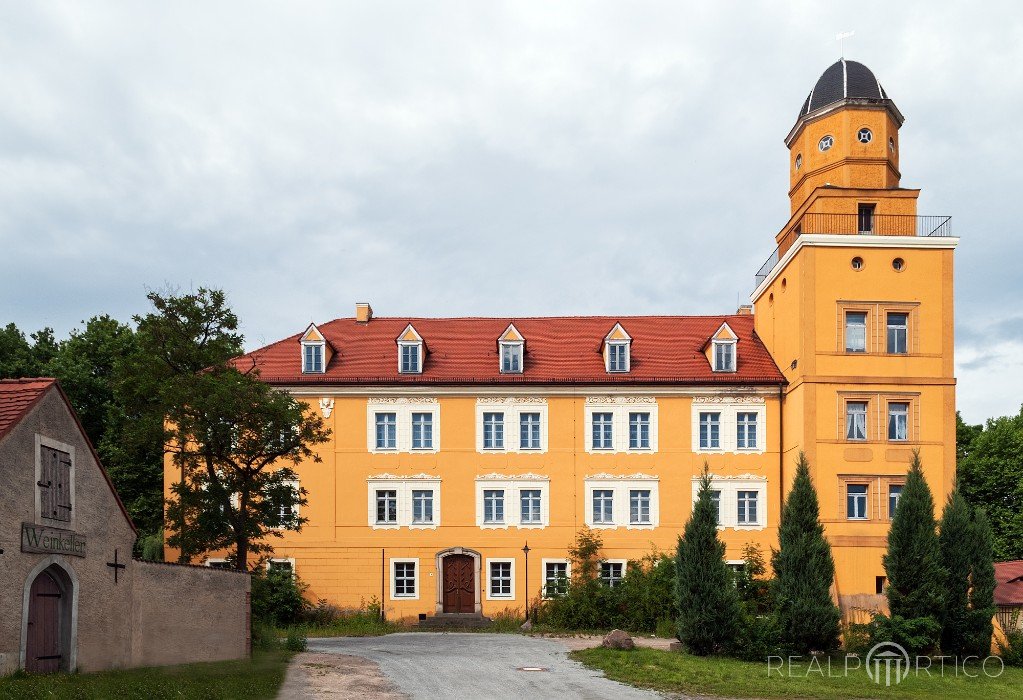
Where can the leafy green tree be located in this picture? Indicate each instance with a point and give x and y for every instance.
(804, 571)
(955, 542)
(991, 477)
(966, 436)
(19, 358)
(912, 563)
(982, 591)
(708, 604)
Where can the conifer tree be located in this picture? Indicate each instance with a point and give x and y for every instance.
(982, 590)
(913, 560)
(707, 600)
(956, 556)
(804, 571)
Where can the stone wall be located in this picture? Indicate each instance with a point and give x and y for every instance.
(182, 614)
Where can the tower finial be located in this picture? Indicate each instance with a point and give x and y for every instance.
(840, 38)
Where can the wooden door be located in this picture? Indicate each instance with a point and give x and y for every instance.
(459, 584)
(42, 648)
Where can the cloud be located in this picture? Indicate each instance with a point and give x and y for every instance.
(470, 158)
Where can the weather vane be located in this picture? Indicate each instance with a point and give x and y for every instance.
(840, 38)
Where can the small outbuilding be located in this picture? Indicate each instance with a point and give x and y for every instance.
(1009, 594)
(71, 596)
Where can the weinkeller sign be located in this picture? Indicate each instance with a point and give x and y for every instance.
(51, 540)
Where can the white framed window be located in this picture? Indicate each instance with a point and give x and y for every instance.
(218, 564)
(856, 501)
(630, 502)
(404, 579)
(620, 424)
(741, 503)
(612, 571)
(602, 431)
(511, 424)
(639, 430)
(493, 430)
(856, 420)
(855, 331)
(287, 507)
(556, 574)
(512, 501)
(500, 579)
(748, 510)
(312, 357)
(894, 494)
(410, 357)
(897, 333)
(386, 430)
(724, 355)
(898, 421)
(530, 506)
(511, 357)
(281, 564)
(618, 356)
(710, 430)
(406, 424)
(746, 430)
(729, 424)
(396, 502)
(422, 506)
(715, 499)
(422, 431)
(493, 506)
(639, 506)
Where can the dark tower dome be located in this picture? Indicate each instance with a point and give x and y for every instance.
(844, 80)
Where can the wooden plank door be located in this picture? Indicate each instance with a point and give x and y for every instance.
(459, 584)
(42, 649)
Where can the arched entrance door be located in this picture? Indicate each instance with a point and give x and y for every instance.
(44, 652)
(459, 583)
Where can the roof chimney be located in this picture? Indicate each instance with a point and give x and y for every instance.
(363, 312)
(745, 310)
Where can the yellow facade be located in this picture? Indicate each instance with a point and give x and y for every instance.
(825, 277)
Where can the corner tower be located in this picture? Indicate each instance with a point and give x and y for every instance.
(856, 307)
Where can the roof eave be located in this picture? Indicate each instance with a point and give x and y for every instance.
(867, 102)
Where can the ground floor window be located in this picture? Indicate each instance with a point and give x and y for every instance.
(500, 579)
(612, 572)
(404, 578)
(555, 578)
(281, 565)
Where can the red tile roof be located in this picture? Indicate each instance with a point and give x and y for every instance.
(1009, 578)
(17, 397)
(559, 350)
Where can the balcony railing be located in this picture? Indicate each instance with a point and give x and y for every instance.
(857, 225)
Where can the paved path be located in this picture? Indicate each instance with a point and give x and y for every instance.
(471, 665)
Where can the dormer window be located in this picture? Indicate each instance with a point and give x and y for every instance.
(314, 351)
(618, 357)
(511, 346)
(617, 350)
(722, 349)
(724, 356)
(312, 357)
(410, 351)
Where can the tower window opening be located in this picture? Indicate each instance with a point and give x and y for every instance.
(826, 143)
(799, 161)
(891, 144)
(864, 135)
(898, 264)
(857, 263)
(866, 218)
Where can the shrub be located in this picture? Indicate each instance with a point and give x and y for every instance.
(982, 591)
(857, 637)
(1011, 650)
(277, 597)
(915, 635)
(295, 641)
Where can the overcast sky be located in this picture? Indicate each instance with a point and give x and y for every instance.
(478, 158)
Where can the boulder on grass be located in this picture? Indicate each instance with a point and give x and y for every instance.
(526, 626)
(617, 639)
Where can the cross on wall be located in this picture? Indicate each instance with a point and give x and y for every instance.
(116, 566)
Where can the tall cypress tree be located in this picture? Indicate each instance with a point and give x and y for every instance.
(982, 590)
(707, 600)
(913, 560)
(955, 544)
(804, 571)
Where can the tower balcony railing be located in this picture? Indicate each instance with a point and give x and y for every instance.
(863, 224)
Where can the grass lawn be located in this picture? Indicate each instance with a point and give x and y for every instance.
(257, 678)
(663, 670)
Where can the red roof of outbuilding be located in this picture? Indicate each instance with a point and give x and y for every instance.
(1009, 579)
(17, 397)
(558, 350)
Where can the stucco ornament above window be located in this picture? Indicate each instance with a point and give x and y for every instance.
(326, 407)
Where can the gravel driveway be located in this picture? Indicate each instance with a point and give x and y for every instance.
(452, 665)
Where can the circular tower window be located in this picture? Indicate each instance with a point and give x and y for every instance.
(898, 264)
(857, 263)
(826, 143)
(864, 135)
